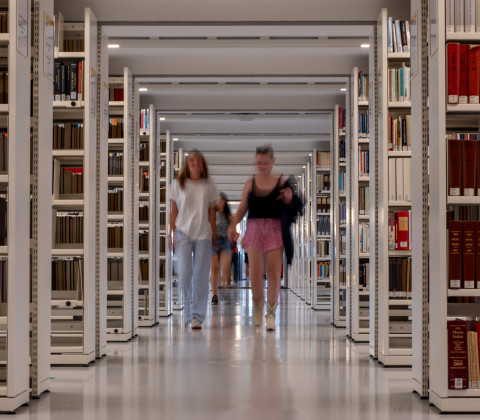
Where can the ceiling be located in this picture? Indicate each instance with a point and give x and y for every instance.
(230, 75)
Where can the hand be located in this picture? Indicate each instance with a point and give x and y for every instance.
(231, 232)
(171, 241)
(286, 195)
(215, 242)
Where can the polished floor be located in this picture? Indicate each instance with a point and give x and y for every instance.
(232, 371)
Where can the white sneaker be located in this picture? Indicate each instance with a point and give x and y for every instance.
(196, 324)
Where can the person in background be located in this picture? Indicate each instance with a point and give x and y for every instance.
(222, 254)
(235, 267)
(193, 228)
(264, 196)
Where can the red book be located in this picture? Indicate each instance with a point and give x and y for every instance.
(457, 354)
(403, 230)
(473, 74)
(453, 59)
(463, 97)
(468, 259)
(454, 167)
(477, 167)
(468, 167)
(455, 248)
(477, 255)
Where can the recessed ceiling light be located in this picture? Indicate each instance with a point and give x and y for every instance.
(113, 46)
(162, 118)
(365, 45)
(343, 89)
(143, 90)
(175, 139)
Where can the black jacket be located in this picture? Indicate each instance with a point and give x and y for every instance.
(289, 216)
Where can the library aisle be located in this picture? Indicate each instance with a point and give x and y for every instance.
(307, 369)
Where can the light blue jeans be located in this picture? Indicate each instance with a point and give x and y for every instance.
(193, 259)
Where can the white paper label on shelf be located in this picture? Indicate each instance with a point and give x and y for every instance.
(469, 192)
(455, 191)
(469, 284)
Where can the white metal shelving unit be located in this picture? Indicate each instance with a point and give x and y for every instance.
(73, 336)
(338, 288)
(357, 321)
(444, 117)
(122, 295)
(394, 349)
(149, 288)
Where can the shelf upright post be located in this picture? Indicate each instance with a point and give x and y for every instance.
(312, 231)
(133, 129)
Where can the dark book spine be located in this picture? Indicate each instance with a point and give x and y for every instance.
(73, 81)
(457, 354)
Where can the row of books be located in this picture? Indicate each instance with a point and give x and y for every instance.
(363, 163)
(163, 194)
(342, 179)
(145, 119)
(162, 246)
(143, 211)
(144, 152)
(463, 254)
(115, 270)
(400, 133)
(399, 230)
(342, 274)
(399, 179)
(323, 270)
(364, 200)
(66, 274)
(323, 204)
(399, 84)
(144, 180)
(400, 278)
(364, 238)
(3, 87)
(462, 16)
(69, 227)
(342, 208)
(71, 180)
(69, 82)
(115, 236)
(463, 73)
(362, 86)
(342, 118)
(143, 241)
(115, 128)
(323, 182)
(73, 45)
(163, 218)
(463, 354)
(163, 169)
(463, 167)
(323, 159)
(115, 199)
(4, 23)
(115, 163)
(323, 225)
(323, 248)
(362, 125)
(3, 152)
(68, 135)
(143, 269)
(364, 276)
(116, 94)
(3, 219)
(398, 33)
(3, 282)
(342, 151)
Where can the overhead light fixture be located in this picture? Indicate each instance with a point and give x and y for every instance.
(143, 90)
(365, 45)
(113, 46)
(162, 118)
(175, 139)
(343, 89)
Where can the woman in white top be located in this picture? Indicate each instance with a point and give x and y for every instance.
(192, 223)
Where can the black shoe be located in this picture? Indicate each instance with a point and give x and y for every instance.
(214, 300)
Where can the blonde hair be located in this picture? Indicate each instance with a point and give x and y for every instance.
(185, 172)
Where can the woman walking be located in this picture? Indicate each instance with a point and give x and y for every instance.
(192, 224)
(264, 196)
(221, 254)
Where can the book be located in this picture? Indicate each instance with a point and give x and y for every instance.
(403, 230)
(390, 34)
(474, 74)
(477, 255)
(450, 15)
(468, 177)
(407, 179)
(477, 15)
(453, 72)
(468, 257)
(399, 178)
(459, 16)
(457, 354)
(392, 189)
(469, 15)
(463, 87)
(455, 250)
(454, 149)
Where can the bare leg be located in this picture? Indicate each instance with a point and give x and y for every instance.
(274, 271)
(256, 258)
(226, 261)
(247, 272)
(214, 271)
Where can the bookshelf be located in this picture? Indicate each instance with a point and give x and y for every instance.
(165, 257)
(392, 291)
(338, 248)
(298, 286)
(73, 334)
(357, 261)
(320, 228)
(307, 285)
(444, 303)
(149, 218)
(123, 185)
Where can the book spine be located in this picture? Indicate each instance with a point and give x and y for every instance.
(403, 28)
(80, 80)
(450, 15)
(63, 79)
(468, 168)
(468, 257)
(453, 78)
(398, 35)
(477, 15)
(73, 81)
(457, 354)
(454, 167)
(407, 25)
(470, 15)
(390, 34)
(403, 231)
(57, 86)
(455, 248)
(463, 91)
(474, 74)
(459, 15)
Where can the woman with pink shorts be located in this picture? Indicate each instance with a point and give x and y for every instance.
(264, 196)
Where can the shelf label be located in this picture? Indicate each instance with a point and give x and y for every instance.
(22, 27)
(48, 46)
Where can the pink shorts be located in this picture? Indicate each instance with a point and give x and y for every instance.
(263, 234)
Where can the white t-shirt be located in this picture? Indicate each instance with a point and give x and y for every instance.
(193, 203)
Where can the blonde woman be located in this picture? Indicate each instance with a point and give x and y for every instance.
(192, 225)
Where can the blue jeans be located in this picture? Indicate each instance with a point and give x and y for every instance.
(193, 259)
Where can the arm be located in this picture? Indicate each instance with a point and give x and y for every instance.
(212, 218)
(286, 191)
(241, 210)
